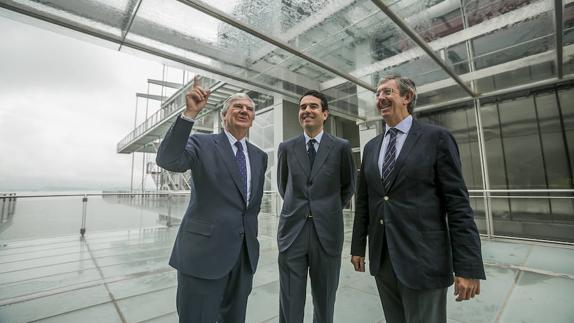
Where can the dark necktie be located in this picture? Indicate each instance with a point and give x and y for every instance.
(390, 157)
(311, 151)
(240, 159)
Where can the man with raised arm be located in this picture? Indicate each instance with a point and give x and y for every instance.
(216, 249)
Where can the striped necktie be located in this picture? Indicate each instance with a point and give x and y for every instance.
(390, 157)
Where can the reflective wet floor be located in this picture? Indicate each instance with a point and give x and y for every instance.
(123, 276)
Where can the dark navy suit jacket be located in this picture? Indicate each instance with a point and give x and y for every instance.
(425, 217)
(218, 219)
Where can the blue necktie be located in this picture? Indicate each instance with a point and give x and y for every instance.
(240, 159)
(390, 157)
(311, 151)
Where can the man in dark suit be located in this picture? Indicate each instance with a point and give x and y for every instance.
(413, 206)
(316, 179)
(216, 249)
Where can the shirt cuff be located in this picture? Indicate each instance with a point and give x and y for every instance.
(186, 118)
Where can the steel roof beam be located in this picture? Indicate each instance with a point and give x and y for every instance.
(422, 44)
(130, 22)
(222, 16)
(165, 83)
(152, 51)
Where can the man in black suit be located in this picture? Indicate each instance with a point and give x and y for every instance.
(413, 207)
(316, 179)
(216, 249)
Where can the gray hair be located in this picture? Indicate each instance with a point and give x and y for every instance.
(233, 97)
(406, 85)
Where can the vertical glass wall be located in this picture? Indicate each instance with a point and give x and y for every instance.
(461, 122)
(261, 135)
(529, 143)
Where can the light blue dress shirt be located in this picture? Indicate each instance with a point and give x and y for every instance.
(404, 127)
(317, 139)
(243, 142)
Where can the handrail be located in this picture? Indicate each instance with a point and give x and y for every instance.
(167, 109)
(523, 191)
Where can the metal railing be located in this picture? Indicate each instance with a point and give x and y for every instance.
(168, 108)
(498, 222)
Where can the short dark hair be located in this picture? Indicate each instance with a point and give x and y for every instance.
(318, 95)
(405, 85)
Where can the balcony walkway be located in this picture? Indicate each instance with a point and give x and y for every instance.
(123, 276)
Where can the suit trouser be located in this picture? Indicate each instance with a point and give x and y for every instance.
(209, 300)
(402, 304)
(307, 255)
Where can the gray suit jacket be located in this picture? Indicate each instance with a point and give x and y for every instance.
(218, 219)
(322, 191)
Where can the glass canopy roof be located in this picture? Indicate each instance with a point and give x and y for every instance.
(460, 48)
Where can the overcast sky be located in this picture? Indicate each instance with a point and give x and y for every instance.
(64, 106)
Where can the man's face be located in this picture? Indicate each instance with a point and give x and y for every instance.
(390, 104)
(239, 115)
(311, 114)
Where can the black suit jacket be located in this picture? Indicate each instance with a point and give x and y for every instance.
(425, 217)
(218, 219)
(322, 190)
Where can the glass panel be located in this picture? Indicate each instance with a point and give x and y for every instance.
(568, 37)
(493, 147)
(566, 100)
(430, 96)
(521, 144)
(477, 204)
(568, 17)
(516, 77)
(462, 124)
(522, 53)
(552, 140)
(107, 16)
(51, 216)
(262, 135)
(431, 19)
(534, 218)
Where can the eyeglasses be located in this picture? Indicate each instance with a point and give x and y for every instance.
(387, 91)
(239, 106)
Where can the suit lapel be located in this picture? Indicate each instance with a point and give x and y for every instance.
(412, 137)
(255, 162)
(226, 152)
(324, 148)
(300, 151)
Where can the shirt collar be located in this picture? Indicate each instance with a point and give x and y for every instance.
(404, 126)
(317, 137)
(233, 140)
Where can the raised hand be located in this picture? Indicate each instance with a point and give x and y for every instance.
(195, 99)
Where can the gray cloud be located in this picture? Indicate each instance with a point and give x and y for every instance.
(64, 105)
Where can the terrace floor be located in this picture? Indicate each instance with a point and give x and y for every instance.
(123, 276)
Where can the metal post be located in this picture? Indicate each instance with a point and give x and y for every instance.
(3, 205)
(168, 222)
(12, 204)
(84, 213)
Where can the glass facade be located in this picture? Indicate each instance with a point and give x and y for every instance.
(528, 142)
(503, 91)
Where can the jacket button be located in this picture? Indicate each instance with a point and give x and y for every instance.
(386, 198)
(241, 234)
(381, 221)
